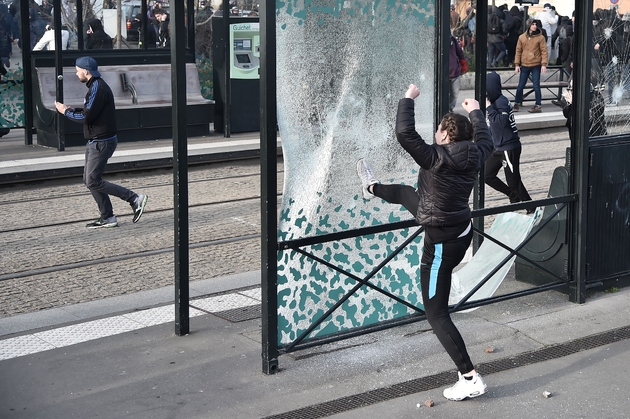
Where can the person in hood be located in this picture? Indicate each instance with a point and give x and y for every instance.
(531, 58)
(448, 169)
(96, 37)
(506, 143)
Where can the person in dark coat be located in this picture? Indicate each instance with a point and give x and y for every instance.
(96, 37)
(98, 117)
(448, 171)
(506, 142)
(514, 31)
(496, 37)
(151, 38)
(163, 28)
(596, 119)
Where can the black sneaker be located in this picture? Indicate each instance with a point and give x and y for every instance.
(138, 206)
(101, 223)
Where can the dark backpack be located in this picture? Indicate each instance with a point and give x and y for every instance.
(494, 24)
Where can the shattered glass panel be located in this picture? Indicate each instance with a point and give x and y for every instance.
(342, 67)
(12, 94)
(610, 75)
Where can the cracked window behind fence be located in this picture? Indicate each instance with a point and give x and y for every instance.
(342, 67)
(610, 75)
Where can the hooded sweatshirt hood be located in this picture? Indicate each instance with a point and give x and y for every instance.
(95, 24)
(500, 116)
(493, 86)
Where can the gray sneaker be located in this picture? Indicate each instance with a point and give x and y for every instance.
(138, 206)
(103, 223)
(366, 174)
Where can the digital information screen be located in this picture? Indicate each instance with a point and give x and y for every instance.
(242, 45)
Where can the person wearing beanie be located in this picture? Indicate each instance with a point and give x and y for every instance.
(98, 117)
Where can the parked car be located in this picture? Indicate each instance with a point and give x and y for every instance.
(129, 11)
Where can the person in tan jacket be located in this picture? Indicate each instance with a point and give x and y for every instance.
(531, 58)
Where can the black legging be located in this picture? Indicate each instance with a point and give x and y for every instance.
(438, 262)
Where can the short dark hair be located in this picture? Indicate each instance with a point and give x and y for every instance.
(457, 126)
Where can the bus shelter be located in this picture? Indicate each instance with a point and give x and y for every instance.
(336, 266)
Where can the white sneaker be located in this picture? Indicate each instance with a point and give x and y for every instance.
(464, 389)
(366, 174)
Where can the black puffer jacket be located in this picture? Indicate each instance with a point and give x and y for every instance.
(447, 172)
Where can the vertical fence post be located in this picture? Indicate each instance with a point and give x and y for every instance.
(269, 182)
(180, 167)
(580, 149)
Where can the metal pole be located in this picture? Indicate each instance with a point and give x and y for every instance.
(442, 84)
(580, 149)
(481, 37)
(227, 60)
(27, 65)
(144, 25)
(180, 168)
(268, 182)
(80, 30)
(118, 19)
(61, 146)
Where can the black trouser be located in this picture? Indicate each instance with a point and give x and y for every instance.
(96, 155)
(510, 160)
(438, 262)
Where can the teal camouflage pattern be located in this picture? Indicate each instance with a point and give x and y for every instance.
(342, 67)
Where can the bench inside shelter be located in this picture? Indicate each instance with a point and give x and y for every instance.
(143, 98)
(551, 83)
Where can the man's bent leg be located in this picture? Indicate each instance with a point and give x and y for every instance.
(97, 155)
(95, 163)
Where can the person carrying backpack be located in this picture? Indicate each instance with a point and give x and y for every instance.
(496, 37)
(514, 31)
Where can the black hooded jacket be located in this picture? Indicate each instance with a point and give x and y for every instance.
(500, 116)
(98, 39)
(447, 172)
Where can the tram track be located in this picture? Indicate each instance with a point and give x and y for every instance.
(156, 211)
(48, 265)
(119, 258)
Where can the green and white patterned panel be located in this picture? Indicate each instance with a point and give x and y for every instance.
(12, 94)
(342, 67)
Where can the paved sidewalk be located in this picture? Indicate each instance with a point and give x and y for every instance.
(541, 342)
(215, 372)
